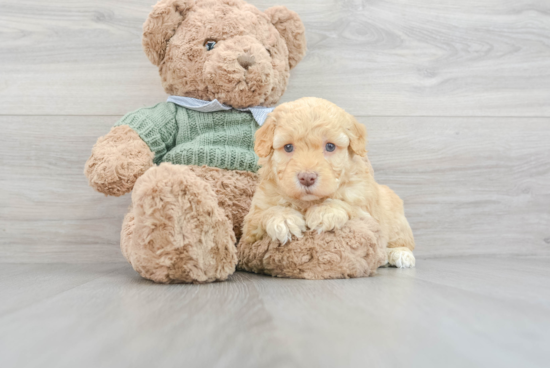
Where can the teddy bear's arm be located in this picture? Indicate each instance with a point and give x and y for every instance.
(137, 141)
(156, 126)
(118, 159)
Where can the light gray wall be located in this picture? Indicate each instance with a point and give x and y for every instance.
(455, 96)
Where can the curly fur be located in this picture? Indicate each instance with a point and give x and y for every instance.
(234, 191)
(283, 209)
(185, 220)
(118, 159)
(355, 250)
(272, 43)
(175, 230)
(291, 29)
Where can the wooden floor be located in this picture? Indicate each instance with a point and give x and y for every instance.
(455, 96)
(451, 312)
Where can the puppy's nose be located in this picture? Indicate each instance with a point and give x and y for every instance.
(307, 179)
(246, 60)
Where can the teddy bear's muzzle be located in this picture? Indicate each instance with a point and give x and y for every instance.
(239, 72)
(246, 61)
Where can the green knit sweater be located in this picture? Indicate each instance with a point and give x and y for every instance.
(223, 139)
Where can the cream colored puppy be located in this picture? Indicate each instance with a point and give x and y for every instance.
(315, 175)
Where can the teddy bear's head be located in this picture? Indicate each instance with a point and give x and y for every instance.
(224, 49)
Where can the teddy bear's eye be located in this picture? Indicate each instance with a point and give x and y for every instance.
(209, 45)
(289, 148)
(330, 147)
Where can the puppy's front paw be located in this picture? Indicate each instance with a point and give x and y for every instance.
(400, 257)
(326, 218)
(284, 224)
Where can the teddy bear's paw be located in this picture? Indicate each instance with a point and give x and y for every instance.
(284, 224)
(326, 218)
(400, 257)
(118, 159)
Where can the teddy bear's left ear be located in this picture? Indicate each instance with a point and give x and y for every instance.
(291, 28)
(161, 26)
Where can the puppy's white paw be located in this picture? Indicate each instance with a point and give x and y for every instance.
(326, 217)
(400, 257)
(284, 224)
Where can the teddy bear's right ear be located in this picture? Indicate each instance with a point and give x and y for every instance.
(291, 28)
(161, 25)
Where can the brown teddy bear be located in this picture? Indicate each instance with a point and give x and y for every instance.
(190, 161)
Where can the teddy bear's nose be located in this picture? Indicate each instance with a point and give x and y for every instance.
(307, 179)
(246, 61)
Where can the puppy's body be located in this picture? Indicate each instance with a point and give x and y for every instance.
(315, 175)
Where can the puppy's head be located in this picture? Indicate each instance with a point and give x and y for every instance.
(307, 146)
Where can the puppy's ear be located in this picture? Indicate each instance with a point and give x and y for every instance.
(161, 26)
(291, 28)
(264, 138)
(357, 137)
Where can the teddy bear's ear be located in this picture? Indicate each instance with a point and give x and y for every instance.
(291, 28)
(161, 25)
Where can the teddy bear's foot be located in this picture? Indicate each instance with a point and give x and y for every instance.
(175, 231)
(400, 257)
(355, 250)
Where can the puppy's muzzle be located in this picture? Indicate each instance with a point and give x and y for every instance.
(307, 179)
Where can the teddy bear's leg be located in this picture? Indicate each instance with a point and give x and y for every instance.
(127, 233)
(234, 190)
(175, 231)
(355, 250)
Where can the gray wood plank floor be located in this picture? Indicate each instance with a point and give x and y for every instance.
(453, 312)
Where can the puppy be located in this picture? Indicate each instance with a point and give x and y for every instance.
(315, 175)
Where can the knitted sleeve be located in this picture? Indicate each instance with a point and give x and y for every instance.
(156, 125)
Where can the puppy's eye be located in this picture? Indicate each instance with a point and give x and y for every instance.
(289, 148)
(268, 51)
(330, 147)
(209, 45)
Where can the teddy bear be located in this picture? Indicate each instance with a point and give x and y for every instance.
(189, 162)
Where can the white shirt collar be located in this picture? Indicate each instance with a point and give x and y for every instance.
(258, 112)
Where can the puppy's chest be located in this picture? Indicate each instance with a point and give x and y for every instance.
(301, 206)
